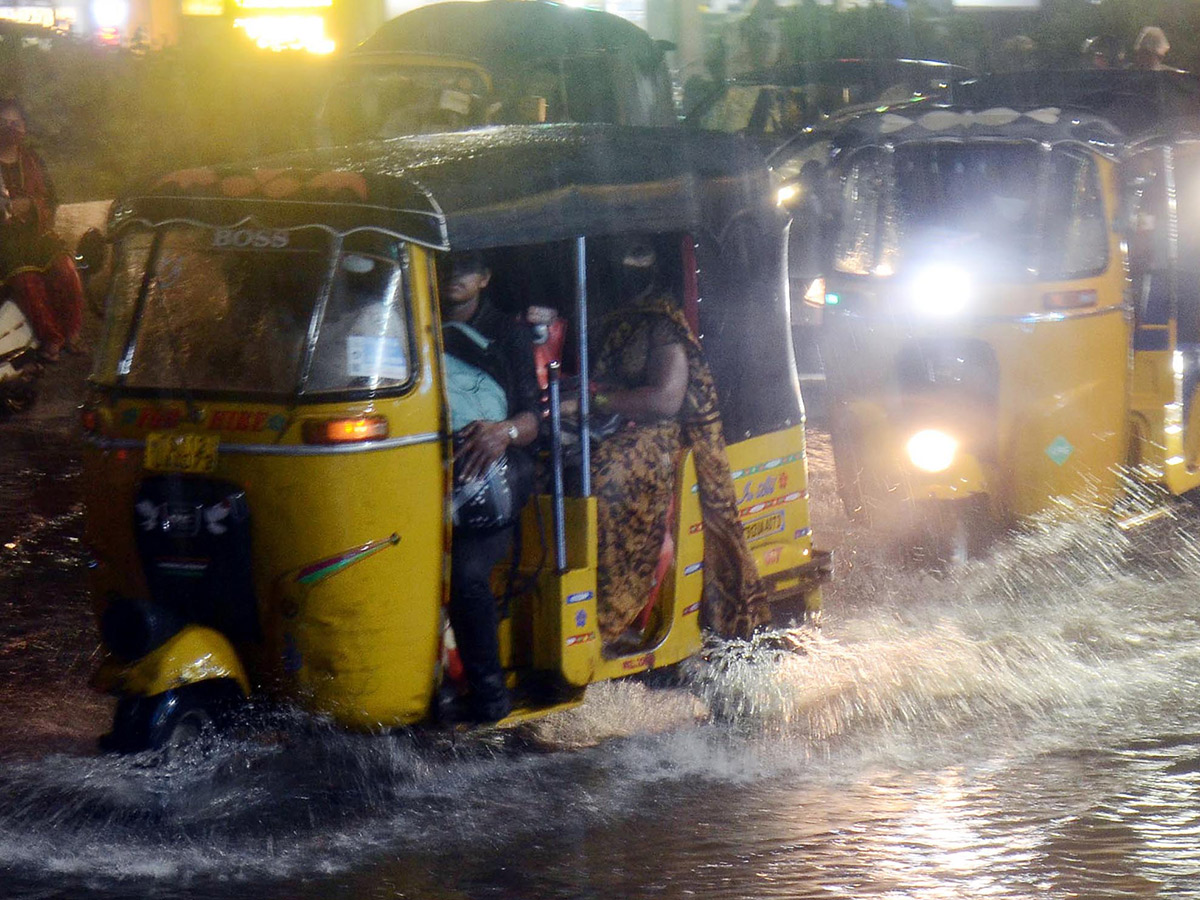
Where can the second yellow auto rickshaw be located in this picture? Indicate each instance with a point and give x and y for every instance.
(985, 356)
(268, 485)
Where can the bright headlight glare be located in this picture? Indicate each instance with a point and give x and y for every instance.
(941, 289)
(787, 194)
(931, 450)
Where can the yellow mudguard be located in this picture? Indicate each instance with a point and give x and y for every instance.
(194, 654)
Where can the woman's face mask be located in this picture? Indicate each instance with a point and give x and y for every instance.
(635, 280)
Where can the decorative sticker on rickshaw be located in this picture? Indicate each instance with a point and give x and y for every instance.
(765, 526)
(579, 597)
(771, 504)
(156, 419)
(693, 568)
(242, 420)
(368, 356)
(581, 618)
(769, 464)
(645, 661)
(772, 556)
(692, 608)
(759, 467)
(331, 565)
(152, 417)
(762, 489)
(1059, 450)
(581, 638)
(251, 238)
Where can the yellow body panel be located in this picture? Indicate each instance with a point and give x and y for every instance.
(1163, 450)
(770, 479)
(192, 655)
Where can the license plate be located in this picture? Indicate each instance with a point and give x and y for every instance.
(763, 526)
(169, 452)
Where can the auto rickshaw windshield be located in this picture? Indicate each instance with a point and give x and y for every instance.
(388, 101)
(1012, 208)
(201, 308)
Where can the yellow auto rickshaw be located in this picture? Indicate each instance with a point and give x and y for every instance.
(268, 495)
(976, 332)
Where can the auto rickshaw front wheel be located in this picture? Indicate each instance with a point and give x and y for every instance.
(173, 719)
(948, 533)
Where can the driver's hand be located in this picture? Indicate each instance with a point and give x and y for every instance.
(482, 444)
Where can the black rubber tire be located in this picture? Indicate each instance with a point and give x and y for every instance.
(172, 719)
(952, 532)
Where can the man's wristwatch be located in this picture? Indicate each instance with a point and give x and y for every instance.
(513, 433)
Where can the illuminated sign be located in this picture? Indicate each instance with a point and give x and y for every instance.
(59, 18)
(203, 7)
(287, 32)
(29, 15)
(283, 4)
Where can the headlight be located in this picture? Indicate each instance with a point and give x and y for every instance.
(940, 289)
(932, 450)
(787, 194)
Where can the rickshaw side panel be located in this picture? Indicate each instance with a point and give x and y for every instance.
(362, 643)
(770, 477)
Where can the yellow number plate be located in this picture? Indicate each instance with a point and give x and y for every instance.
(169, 452)
(763, 526)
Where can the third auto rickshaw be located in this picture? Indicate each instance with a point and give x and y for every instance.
(987, 355)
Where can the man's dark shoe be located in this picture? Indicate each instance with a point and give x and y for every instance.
(489, 701)
(490, 704)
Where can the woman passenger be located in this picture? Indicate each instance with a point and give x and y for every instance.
(650, 371)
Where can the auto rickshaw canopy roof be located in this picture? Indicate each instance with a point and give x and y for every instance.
(509, 34)
(1136, 101)
(1047, 125)
(478, 189)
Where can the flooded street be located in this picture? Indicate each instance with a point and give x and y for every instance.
(1026, 728)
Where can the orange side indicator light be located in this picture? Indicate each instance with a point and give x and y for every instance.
(345, 431)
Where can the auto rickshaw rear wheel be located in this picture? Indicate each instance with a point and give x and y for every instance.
(173, 719)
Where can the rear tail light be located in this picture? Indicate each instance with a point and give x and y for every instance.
(346, 430)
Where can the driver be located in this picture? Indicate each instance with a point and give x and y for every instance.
(493, 396)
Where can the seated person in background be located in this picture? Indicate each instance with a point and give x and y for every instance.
(493, 397)
(34, 262)
(650, 370)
